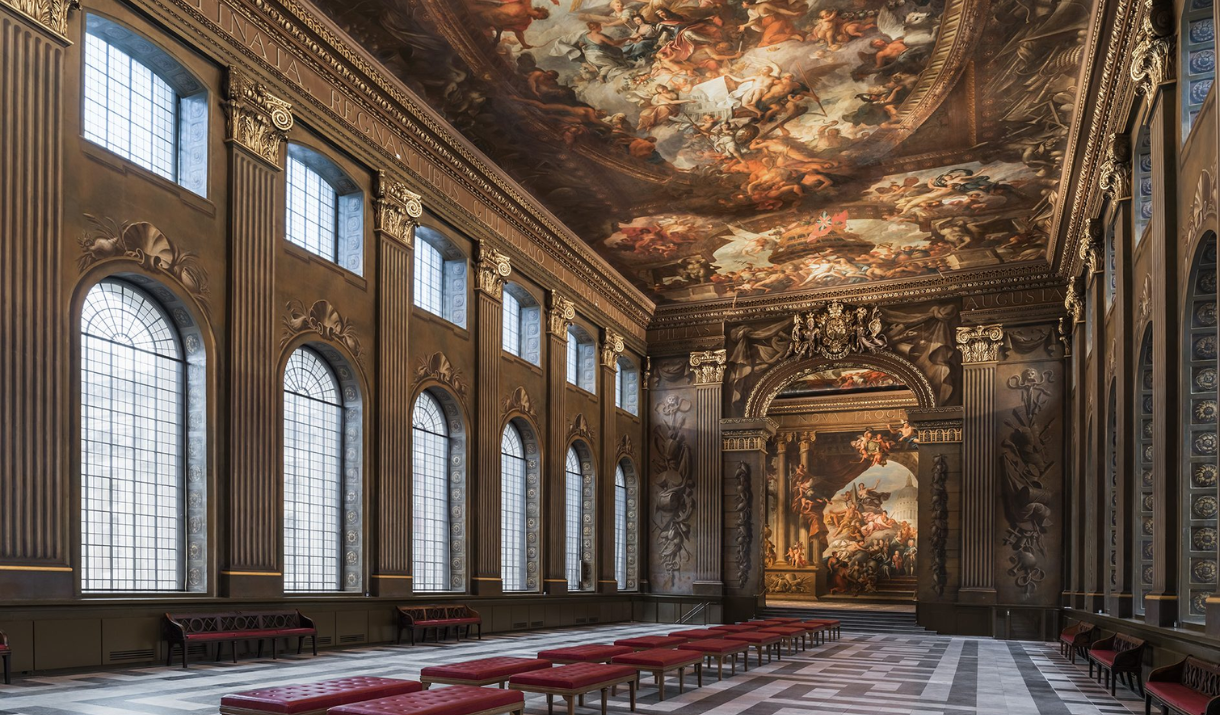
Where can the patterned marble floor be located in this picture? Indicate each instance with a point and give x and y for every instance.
(864, 675)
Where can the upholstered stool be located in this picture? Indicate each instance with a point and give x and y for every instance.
(832, 625)
(697, 634)
(650, 642)
(660, 661)
(733, 628)
(789, 635)
(453, 700)
(314, 698)
(593, 653)
(480, 672)
(718, 649)
(784, 620)
(760, 641)
(572, 682)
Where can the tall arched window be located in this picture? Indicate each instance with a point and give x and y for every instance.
(430, 489)
(133, 406)
(578, 533)
(620, 528)
(313, 474)
(522, 324)
(325, 209)
(1199, 509)
(144, 106)
(1145, 527)
(512, 510)
(627, 386)
(1198, 40)
(1112, 513)
(582, 359)
(440, 276)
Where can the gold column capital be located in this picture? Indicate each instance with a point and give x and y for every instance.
(397, 209)
(491, 270)
(559, 315)
(708, 366)
(612, 347)
(51, 14)
(980, 343)
(257, 119)
(1114, 173)
(1154, 58)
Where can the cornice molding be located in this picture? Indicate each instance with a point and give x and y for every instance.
(257, 119)
(397, 209)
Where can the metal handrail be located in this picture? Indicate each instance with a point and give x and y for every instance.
(696, 611)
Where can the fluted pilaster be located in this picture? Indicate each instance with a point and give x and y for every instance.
(708, 368)
(980, 348)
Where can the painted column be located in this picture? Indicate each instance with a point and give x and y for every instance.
(708, 369)
(559, 316)
(612, 347)
(34, 483)
(780, 535)
(980, 348)
(1096, 478)
(395, 212)
(803, 533)
(744, 451)
(258, 123)
(491, 268)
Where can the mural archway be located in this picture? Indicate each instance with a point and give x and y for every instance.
(841, 517)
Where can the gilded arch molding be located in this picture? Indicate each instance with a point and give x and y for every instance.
(794, 368)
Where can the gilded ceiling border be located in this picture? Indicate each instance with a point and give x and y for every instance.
(297, 24)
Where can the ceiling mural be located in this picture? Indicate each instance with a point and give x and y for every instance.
(841, 381)
(718, 148)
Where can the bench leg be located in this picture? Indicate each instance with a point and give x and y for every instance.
(313, 640)
(699, 674)
(603, 701)
(8, 674)
(719, 668)
(169, 654)
(580, 700)
(184, 654)
(631, 687)
(260, 649)
(660, 675)
(275, 648)
(550, 704)
(571, 704)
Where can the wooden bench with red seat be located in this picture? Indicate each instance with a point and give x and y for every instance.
(760, 641)
(697, 634)
(453, 700)
(718, 649)
(5, 653)
(661, 661)
(788, 634)
(572, 682)
(484, 671)
(1191, 687)
(411, 618)
(183, 629)
(650, 642)
(1118, 655)
(1075, 639)
(589, 653)
(733, 628)
(314, 698)
(831, 628)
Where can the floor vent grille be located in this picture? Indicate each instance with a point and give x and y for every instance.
(355, 638)
(121, 656)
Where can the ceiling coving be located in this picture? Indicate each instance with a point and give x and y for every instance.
(728, 148)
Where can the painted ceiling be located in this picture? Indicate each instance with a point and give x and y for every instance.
(730, 148)
(842, 381)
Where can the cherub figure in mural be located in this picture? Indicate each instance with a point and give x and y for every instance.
(774, 19)
(874, 447)
(807, 505)
(769, 551)
(835, 28)
(796, 556)
(513, 16)
(908, 436)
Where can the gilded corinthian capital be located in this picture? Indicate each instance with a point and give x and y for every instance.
(257, 119)
(708, 366)
(1114, 173)
(980, 343)
(397, 209)
(491, 270)
(559, 315)
(612, 347)
(51, 14)
(1152, 60)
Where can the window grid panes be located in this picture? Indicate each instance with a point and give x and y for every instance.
(1199, 50)
(132, 404)
(512, 510)
(1143, 186)
(573, 358)
(312, 210)
(1145, 522)
(620, 528)
(128, 109)
(618, 386)
(430, 497)
(429, 277)
(572, 508)
(511, 334)
(313, 468)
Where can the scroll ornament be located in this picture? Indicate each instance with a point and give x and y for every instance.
(257, 119)
(1152, 60)
(397, 209)
(1073, 303)
(708, 366)
(1091, 245)
(493, 267)
(1114, 174)
(980, 343)
(438, 367)
(321, 318)
(560, 314)
(834, 331)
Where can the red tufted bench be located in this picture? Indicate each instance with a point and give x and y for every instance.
(595, 653)
(828, 629)
(660, 661)
(719, 648)
(313, 698)
(785, 620)
(1118, 655)
(453, 700)
(438, 618)
(697, 634)
(5, 653)
(182, 629)
(733, 628)
(760, 641)
(480, 672)
(650, 642)
(789, 635)
(573, 681)
(764, 623)
(1191, 687)
(1075, 639)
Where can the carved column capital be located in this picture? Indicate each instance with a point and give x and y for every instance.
(1114, 173)
(1073, 303)
(51, 14)
(612, 347)
(751, 434)
(708, 366)
(559, 315)
(397, 209)
(491, 270)
(1153, 59)
(980, 343)
(257, 119)
(1092, 246)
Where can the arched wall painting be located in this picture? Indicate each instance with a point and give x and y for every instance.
(842, 507)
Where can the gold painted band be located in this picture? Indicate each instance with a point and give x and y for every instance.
(251, 573)
(1160, 597)
(391, 576)
(605, 581)
(486, 578)
(555, 580)
(56, 569)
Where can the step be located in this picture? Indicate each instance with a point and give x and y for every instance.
(858, 620)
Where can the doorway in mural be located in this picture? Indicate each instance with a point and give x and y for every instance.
(842, 489)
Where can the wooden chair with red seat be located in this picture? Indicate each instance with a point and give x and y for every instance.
(5, 652)
(1118, 655)
(1191, 687)
(1075, 639)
